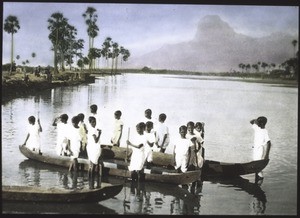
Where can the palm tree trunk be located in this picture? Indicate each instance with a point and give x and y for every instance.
(116, 66)
(12, 53)
(112, 65)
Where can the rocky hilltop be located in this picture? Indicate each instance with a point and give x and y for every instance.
(217, 47)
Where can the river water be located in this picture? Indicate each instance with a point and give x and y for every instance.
(226, 107)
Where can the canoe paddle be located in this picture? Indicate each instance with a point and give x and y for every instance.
(127, 145)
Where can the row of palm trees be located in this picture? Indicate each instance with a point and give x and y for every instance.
(256, 67)
(271, 66)
(66, 46)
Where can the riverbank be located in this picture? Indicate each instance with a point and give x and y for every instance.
(234, 76)
(14, 85)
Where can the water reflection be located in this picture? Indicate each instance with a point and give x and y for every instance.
(259, 200)
(134, 93)
(30, 175)
(40, 174)
(153, 198)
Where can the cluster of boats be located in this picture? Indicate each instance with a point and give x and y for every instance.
(115, 163)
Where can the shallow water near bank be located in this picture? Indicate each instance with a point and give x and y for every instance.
(225, 106)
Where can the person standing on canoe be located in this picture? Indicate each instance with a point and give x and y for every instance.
(148, 115)
(32, 140)
(94, 112)
(262, 142)
(118, 129)
(199, 129)
(150, 139)
(93, 146)
(162, 133)
(196, 158)
(199, 132)
(182, 151)
(138, 157)
(61, 138)
(83, 135)
(74, 142)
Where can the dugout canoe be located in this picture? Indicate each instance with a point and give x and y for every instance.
(120, 153)
(216, 168)
(116, 167)
(210, 167)
(38, 194)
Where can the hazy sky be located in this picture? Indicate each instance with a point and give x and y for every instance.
(138, 27)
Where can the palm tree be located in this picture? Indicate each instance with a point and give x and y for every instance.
(294, 42)
(255, 66)
(78, 45)
(106, 46)
(126, 55)
(264, 65)
(91, 17)
(248, 67)
(33, 54)
(18, 57)
(115, 54)
(242, 66)
(11, 26)
(56, 25)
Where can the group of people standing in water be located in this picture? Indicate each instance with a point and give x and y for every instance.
(83, 140)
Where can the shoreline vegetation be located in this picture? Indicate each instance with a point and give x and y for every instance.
(15, 85)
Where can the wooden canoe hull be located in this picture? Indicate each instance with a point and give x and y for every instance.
(215, 168)
(120, 153)
(27, 193)
(210, 167)
(118, 168)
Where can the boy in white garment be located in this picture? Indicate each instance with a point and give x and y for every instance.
(150, 139)
(196, 147)
(74, 142)
(62, 129)
(262, 142)
(138, 156)
(162, 133)
(118, 129)
(182, 151)
(32, 140)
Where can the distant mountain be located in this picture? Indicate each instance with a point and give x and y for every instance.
(216, 47)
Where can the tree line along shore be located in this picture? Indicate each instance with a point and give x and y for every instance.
(15, 84)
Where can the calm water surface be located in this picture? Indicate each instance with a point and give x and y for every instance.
(226, 107)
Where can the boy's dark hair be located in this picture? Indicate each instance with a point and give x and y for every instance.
(31, 119)
(64, 117)
(148, 111)
(162, 117)
(262, 121)
(149, 124)
(183, 128)
(199, 124)
(140, 125)
(191, 123)
(94, 108)
(91, 118)
(118, 113)
(80, 116)
(75, 119)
